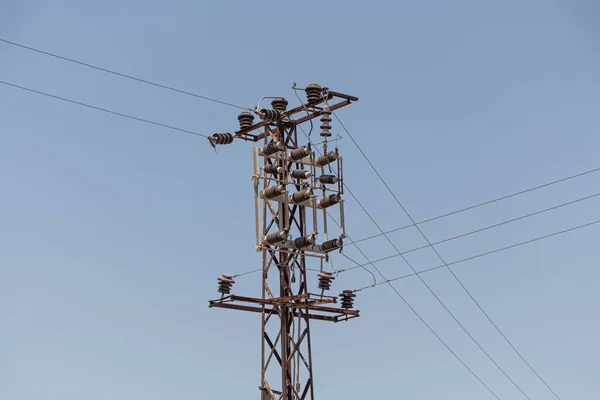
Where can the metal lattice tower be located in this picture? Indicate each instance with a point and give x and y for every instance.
(294, 189)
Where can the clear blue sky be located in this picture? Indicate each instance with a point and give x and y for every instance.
(112, 232)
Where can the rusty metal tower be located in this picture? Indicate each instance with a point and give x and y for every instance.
(296, 186)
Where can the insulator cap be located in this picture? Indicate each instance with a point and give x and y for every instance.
(299, 153)
(273, 169)
(347, 299)
(301, 174)
(326, 158)
(328, 179)
(225, 284)
(222, 138)
(330, 200)
(246, 120)
(270, 115)
(276, 237)
(304, 241)
(302, 195)
(274, 191)
(325, 279)
(272, 148)
(313, 93)
(331, 245)
(279, 104)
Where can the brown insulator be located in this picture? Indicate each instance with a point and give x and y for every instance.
(274, 191)
(225, 284)
(302, 195)
(331, 245)
(328, 179)
(270, 115)
(272, 148)
(301, 174)
(325, 279)
(276, 237)
(279, 104)
(325, 122)
(246, 120)
(330, 200)
(326, 158)
(222, 138)
(347, 299)
(273, 169)
(299, 153)
(313, 93)
(304, 241)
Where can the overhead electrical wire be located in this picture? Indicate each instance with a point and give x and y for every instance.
(160, 85)
(103, 109)
(483, 204)
(487, 253)
(452, 273)
(501, 223)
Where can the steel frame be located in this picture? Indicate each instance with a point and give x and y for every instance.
(286, 306)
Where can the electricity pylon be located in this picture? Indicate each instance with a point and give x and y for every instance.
(295, 190)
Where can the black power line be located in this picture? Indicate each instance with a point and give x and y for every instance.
(500, 223)
(487, 253)
(103, 109)
(484, 203)
(449, 269)
(160, 85)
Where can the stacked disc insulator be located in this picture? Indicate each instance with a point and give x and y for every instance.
(325, 159)
(273, 169)
(274, 191)
(325, 279)
(272, 148)
(246, 120)
(302, 195)
(279, 104)
(326, 122)
(222, 138)
(347, 299)
(304, 241)
(313, 93)
(328, 179)
(301, 174)
(331, 245)
(270, 115)
(225, 284)
(330, 200)
(299, 153)
(276, 237)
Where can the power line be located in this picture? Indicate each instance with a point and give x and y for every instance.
(483, 204)
(160, 85)
(449, 269)
(439, 300)
(487, 253)
(103, 109)
(501, 223)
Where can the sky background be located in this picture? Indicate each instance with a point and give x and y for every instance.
(113, 232)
